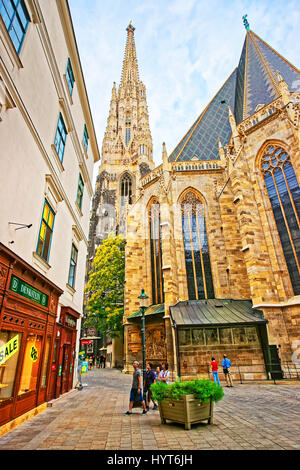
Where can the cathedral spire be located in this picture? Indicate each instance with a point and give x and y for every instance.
(130, 73)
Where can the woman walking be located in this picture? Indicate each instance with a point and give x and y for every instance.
(214, 369)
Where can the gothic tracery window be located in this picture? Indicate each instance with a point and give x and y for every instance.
(284, 194)
(127, 130)
(156, 253)
(197, 260)
(126, 189)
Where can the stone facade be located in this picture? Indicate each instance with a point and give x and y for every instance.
(219, 162)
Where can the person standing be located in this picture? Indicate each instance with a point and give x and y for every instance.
(136, 392)
(149, 380)
(157, 372)
(226, 364)
(164, 373)
(214, 369)
(104, 361)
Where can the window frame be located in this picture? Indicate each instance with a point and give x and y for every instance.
(74, 266)
(70, 77)
(16, 16)
(47, 227)
(80, 191)
(85, 138)
(58, 139)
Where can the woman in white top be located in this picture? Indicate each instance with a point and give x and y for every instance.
(164, 373)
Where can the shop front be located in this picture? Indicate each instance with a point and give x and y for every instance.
(28, 309)
(63, 360)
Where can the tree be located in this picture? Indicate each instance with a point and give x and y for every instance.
(105, 287)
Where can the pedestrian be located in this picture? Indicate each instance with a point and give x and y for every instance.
(226, 364)
(104, 361)
(157, 372)
(164, 373)
(136, 392)
(149, 380)
(214, 369)
(101, 361)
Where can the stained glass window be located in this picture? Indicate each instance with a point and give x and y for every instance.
(284, 194)
(197, 260)
(156, 253)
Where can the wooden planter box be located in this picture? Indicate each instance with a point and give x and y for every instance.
(186, 411)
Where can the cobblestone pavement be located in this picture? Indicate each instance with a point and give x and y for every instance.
(249, 417)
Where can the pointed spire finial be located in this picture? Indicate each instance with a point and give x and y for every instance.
(130, 27)
(246, 22)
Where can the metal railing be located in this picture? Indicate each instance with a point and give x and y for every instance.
(242, 373)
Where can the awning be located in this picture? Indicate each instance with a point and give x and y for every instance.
(153, 310)
(215, 312)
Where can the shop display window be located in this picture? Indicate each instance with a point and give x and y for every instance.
(10, 343)
(45, 363)
(31, 363)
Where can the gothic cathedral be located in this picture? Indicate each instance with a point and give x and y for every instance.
(213, 233)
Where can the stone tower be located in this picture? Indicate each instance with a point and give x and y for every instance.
(126, 152)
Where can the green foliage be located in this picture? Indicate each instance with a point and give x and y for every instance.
(203, 390)
(106, 287)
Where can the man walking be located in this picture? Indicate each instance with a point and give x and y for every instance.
(226, 365)
(136, 392)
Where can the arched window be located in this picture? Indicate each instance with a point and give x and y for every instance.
(126, 188)
(284, 194)
(156, 253)
(197, 261)
(127, 129)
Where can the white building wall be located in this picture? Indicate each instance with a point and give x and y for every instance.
(35, 92)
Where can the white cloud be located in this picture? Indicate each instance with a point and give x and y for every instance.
(186, 50)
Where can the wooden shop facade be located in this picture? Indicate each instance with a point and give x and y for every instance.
(36, 352)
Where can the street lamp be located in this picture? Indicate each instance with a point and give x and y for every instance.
(143, 305)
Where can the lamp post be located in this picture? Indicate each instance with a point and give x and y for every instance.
(143, 305)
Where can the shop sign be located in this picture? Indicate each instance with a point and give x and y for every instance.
(9, 349)
(70, 321)
(81, 355)
(25, 290)
(84, 367)
(86, 341)
(34, 354)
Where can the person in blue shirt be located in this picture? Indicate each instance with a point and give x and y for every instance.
(149, 380)
(226, 364)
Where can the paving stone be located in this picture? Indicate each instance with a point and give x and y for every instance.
(250, 417)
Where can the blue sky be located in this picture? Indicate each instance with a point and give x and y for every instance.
(186, 50)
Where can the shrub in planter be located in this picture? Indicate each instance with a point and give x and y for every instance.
(187, 402)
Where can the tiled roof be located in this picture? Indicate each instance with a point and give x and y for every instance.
(253, 83)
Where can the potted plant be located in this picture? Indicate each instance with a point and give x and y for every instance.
(187, 402)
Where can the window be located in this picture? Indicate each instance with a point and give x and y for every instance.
(85, 138)
(16, 19)
(198, 336)
(284, 194)
(156, 253)
(127, 130)
(10, 345)
(184, 337)
(31, 361)
(197, 260)
(211, 336)
(80, 190)
(45, 363)
(126, 189)
(46, 230)
(73, 264)
(70, 77)
(60, 137)
(225, 335)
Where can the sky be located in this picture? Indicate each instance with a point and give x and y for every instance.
(186, 49)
